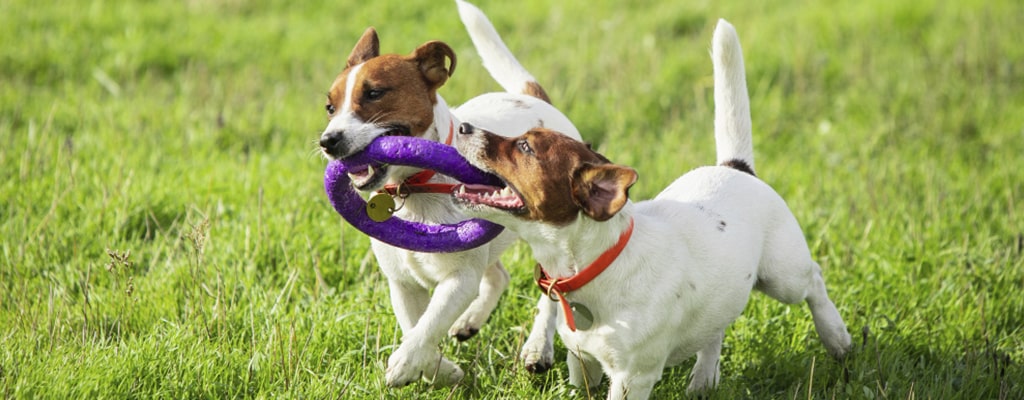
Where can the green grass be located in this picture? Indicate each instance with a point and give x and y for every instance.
(164, 231)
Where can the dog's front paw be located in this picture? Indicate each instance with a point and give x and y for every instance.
(538, 358)
(448, 373)
(467, 325)
(464, 333)
(539, 366)
(470, 322)
(406, 366)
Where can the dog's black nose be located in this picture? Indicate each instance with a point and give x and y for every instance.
(329, 140)
(466, 128)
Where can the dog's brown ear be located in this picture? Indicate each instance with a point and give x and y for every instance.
(366, 48)
(601, 190)
(432, 58)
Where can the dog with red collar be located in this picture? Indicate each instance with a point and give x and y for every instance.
(638, 287)
(432, 294)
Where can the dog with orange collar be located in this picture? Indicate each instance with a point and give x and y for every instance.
(643, 286)
(432, 294)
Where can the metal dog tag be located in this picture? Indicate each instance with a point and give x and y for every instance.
(380, 207)
(582, 315)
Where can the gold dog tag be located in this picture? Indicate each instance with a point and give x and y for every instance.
(380, 207)
(582, 315)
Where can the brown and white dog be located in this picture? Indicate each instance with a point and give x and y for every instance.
(391, 94)
(646, 285)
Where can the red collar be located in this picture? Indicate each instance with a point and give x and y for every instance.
(566, 285)
(418, 182)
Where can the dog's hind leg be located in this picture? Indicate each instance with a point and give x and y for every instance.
(788, 274)
(706, 371)
(830, 326)
(494, 282)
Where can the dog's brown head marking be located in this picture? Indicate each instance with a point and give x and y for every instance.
(379, 95)
(390, 93)
(554, 176)
(390, 88)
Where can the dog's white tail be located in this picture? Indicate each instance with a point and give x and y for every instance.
(733, 137)
(498, 60)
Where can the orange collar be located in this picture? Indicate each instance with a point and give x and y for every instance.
(565, 285)
(418, 182)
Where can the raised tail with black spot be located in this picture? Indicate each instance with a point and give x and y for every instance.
(733, 136)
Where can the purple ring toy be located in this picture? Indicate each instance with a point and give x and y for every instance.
(415, 236)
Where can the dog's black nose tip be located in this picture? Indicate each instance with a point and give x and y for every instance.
(466, 128)
(328, 140)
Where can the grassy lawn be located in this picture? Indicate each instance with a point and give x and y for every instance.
(164, 231)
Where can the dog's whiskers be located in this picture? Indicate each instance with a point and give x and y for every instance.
(379, 116)
(316, 151)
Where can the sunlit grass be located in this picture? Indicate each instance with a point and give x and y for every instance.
(164, 232)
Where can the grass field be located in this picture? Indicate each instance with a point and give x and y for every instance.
(164, 231)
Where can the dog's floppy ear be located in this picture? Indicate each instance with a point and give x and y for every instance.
(366, 48)
(601, 190)
(432, 58)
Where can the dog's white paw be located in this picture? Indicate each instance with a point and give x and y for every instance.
(407, 365)
(703, 380)
(838, 343)
(468, 324)
(448, 373)
(537, 357)
(463, 331)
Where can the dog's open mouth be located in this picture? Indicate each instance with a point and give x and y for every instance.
(504, 198)
(368, 176)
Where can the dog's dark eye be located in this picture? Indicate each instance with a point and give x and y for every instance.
(524, 146)
(374, 94)
(330, 109)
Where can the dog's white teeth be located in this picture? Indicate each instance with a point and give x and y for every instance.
(462, 189)
(506, 191)
(369, 170)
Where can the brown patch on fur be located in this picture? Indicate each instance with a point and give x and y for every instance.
(366, 48)
(534, 89)
(602, 190)
(739, 165)
(391, 90)
(557, 176)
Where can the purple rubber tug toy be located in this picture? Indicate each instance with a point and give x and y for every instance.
(415, 236)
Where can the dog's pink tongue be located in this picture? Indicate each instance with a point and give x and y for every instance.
(359, 171)
(361, 175)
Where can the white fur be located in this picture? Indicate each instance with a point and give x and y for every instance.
(732, 107)
(466, 285)
(697, 250)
